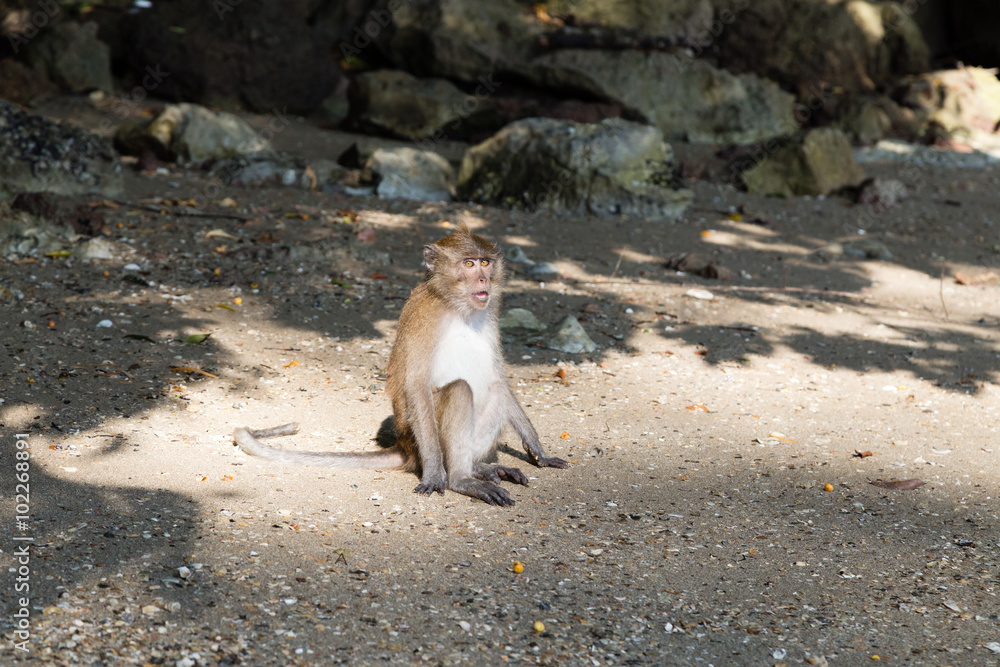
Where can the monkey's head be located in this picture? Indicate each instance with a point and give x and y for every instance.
(465, 270)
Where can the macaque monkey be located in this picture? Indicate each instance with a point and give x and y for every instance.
(446, 380)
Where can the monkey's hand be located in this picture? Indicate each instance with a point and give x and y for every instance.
(550, 462)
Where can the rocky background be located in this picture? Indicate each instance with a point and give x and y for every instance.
(749, 82)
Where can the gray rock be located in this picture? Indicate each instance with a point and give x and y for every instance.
(25, 234)
(72, 57)
(687, 99)
(543, 269)
(191, 132)
(569, 336)
(516, 254)
(408, 173)
(521, 318)
(400, 104)
(817, 163)
(614, 167)
(98, 248)
(261, 169)
(39, 155)
(867, 249)
(882, 193)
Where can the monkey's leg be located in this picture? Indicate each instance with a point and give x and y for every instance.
(457, 430)
(529, 436)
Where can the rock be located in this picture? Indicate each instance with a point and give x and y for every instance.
(260, 169)
(22, 85)
(687, 99)
(614, 167)
(39, 155)
(24, 234)
(193, 133)
(408, 173)
(542, 270)
(869, 120)
(818, 163)
(959, 103)
(516, 255)
(98, 248)
(401, 105)
(569, 336)
(262, 55)
(460, 39)
(473, 40)
(867, 249)
(72, 57)
(521, 318)
(687, 21)
(812, 46)
(882, 193)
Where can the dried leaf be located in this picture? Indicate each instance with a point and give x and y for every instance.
(862, 455)
(561, 373)
(366, 235)
(196, 339)
(978, 279)
(220, 233)
(293, 362)
(898, 485)
(191, 369)
(226, 306)
(697, 408)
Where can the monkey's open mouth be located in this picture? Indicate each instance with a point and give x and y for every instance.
(481, 296)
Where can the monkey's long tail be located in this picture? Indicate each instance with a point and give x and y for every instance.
(249, 442)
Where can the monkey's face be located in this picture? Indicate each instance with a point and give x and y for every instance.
(476, 275)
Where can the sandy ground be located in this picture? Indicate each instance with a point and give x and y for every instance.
(716, 512)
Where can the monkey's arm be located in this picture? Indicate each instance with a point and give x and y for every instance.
(423, 423)
(529, 437)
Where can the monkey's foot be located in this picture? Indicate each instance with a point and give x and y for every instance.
(428, 486)
(497, 473)
(551, 462)
(486, 491)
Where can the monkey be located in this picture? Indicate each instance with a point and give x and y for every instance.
(446, 382)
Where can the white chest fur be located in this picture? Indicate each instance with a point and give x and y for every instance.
(466, 351)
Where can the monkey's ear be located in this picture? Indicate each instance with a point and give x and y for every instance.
(431, 254)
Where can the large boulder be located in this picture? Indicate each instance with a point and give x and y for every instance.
(39, 155)
(408, 173)
(192, 133)
(810, 46)
(958, 103)
(459, 39)
(399, 104)
(228, 54)
(470, 39)
(687, 99)
(72, 57)
(817, 163)
(614, 167)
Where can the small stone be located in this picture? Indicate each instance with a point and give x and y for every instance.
(570, 336)
(521, 318)
(543, 269)
(105, 324)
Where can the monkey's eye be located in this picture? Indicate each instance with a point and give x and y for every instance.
(484, 262)
(469, 263)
